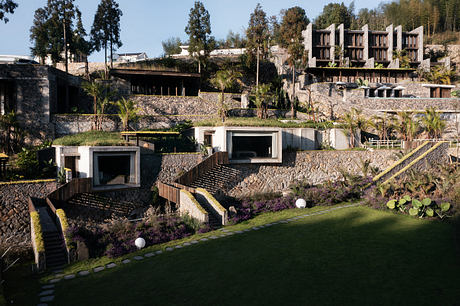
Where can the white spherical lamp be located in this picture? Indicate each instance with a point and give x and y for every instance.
(301, 203)
(140, 243)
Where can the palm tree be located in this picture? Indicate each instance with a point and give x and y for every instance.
(223, 80)
(96, 90)
(433, 123)
(127, 110)
(262, 94)
(406, 126)
(383, 126)
(354, 120)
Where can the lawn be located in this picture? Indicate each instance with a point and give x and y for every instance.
(91, 138)
(254, 121)
(348, 256)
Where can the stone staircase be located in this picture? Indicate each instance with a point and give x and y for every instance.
(55, 250)
(91, 200)
(214, 221)
(217, 179)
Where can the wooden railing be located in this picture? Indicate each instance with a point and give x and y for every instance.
(218, 158)
(66, 191)
(169, 192)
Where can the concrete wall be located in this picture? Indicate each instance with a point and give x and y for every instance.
(189, 205)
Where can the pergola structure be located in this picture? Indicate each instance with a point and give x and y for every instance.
(159, 82)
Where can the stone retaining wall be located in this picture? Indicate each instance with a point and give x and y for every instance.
(14, 210)
(154, 168)
(334, 102)
(71, 124)
(311, 166)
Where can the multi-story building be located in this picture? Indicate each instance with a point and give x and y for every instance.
(365, 48)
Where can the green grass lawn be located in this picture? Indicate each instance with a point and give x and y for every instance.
(91, 138)
(346, 257)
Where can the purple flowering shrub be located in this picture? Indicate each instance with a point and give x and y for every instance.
(117, 238)
(331, 192)
(250, 208)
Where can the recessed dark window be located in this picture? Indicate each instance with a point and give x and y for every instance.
(251, 146)
(114, 170)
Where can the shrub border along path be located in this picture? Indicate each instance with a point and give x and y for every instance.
(47, 293)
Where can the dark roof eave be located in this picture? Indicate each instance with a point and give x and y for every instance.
(153, 72)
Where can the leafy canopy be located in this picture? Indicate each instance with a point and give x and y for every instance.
(7, 7)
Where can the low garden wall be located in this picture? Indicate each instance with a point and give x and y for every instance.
(311, 166)
(14, 211)
(76, 123)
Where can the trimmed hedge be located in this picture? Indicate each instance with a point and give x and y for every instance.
(39, 243)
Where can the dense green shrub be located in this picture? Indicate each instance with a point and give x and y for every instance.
(420, 208)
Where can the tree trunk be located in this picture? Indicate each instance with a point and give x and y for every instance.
(86, 67)
(95, 112)
(293, 92)
(105, 58)
(257, 72)
(111, 54)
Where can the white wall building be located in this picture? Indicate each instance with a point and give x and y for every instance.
(110, 167)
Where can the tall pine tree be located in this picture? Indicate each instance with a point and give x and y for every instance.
(105, 32)
(294, 22)
(201, 43)
(258, 35)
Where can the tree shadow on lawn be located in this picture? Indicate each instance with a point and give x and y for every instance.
(352, 256)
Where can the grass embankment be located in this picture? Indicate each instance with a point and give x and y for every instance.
(252, 121)
(91, 138)
(348, 256)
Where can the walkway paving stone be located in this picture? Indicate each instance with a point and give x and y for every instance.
(239, 232)
(111, 265)
(159, 252)
(194, 242)
(70, 276)
(126, 261)
(46, 292)
(169, 249)
(54, 280)
(187, 244)
(178, 246)
(204, 239)
(45, 287)
(98, 269)
(213, 237)
(83, 273)
(149, 254)
(138, 257)
(48, 298)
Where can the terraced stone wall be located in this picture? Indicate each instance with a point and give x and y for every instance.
(14, 210)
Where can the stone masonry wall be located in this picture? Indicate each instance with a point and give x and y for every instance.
(332, 102)
(312, 166)
(157, 112)
(14, 210)
(154, 168)
(77, 123)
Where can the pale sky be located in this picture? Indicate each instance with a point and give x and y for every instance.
(146, 23)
